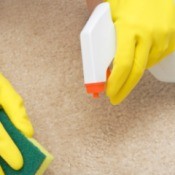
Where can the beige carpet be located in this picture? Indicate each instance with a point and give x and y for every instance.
(40, 55)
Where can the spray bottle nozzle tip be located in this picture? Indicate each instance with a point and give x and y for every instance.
(95, 88)
(95, 95)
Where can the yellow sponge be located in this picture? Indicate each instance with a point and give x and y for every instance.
(47, 160)
(36, 158)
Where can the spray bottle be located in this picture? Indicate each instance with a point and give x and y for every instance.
(98, 46)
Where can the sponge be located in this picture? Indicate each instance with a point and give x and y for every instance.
(36, 158)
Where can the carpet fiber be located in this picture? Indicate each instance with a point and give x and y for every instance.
(40, 55)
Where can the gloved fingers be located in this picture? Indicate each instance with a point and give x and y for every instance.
(9, 151)
(123, 61)
(13, 105)
(1, 171)
(140, 62)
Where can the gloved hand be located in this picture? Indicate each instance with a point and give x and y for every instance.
(145, 35)
(12, 104)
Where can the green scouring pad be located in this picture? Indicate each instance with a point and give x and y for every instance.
(36, 158)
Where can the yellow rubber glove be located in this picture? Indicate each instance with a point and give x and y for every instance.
(8, 151)
(145, 35)
(12, 103)
(1, 171)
